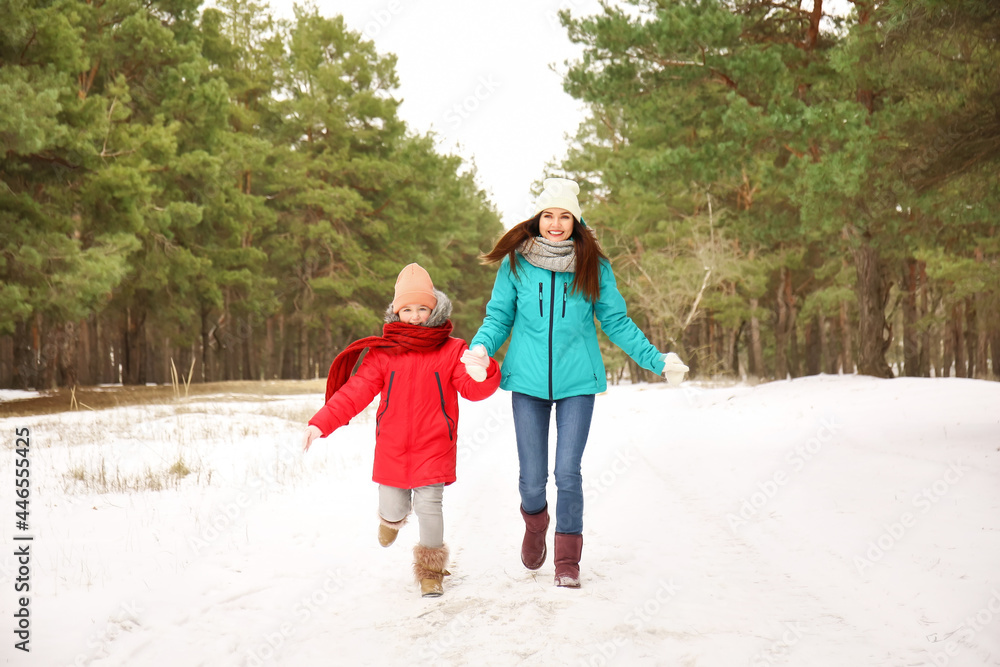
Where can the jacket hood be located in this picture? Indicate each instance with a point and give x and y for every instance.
(440, 314)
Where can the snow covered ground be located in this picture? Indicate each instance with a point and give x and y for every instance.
(834, 521)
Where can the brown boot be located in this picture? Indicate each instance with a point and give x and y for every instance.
(533, 545)
(568, 549)
(428, 568)
(387, 530)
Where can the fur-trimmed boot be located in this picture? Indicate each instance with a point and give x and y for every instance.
(533, 545)
(428, 568)
(567, 556)
(388, 530)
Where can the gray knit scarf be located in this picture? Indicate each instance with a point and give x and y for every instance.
(557, 256)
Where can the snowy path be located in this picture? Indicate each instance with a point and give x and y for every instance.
(829, 521)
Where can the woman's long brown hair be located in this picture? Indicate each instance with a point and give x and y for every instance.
(587, 277)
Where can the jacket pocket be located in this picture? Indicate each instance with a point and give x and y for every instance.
(565, 296)
(448, 420)
(541, 298)
(596, 366)
(388, 393)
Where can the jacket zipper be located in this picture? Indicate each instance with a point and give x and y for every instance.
(388, 392)
(447, 419)
(552, 324)
(541, 311)
(565, 289)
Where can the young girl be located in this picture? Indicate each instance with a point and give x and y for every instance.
(419, 370)
(552, 282)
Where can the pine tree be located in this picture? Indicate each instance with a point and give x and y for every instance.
(823, 140)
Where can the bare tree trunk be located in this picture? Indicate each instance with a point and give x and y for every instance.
(224, 340)
(781, 330)
(755, 349)
(66, 358)
(957, 342)
(831, 344)
(305, 358)
(982, 354)
(824, 343)
(249, 365)
(209, 352)
(104, 350)
(331, 350)
(287, 365)
(25, 373)
(84, 353)
(969, 336)
(157, 352)
(134, 347)
(995, 352)
(794, 358)
(846, 340)
(814, 346)
(924, 361)
(7, 362)
(267, 356)
(48, 354)
(100, 351)
(304, 351)
(874, 333)
(170, 351)
(707, 343)
(911, 336)
(733, 350)
(947, 349)
(112, 348)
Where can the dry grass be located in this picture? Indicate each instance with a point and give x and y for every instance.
(98, 398)
(98, 479)
(148, 439)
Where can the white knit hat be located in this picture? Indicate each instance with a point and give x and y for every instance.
(559, 193)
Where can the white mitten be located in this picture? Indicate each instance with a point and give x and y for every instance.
(673, 368)
(476, 362)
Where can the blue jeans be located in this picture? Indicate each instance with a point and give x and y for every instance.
(531, 426)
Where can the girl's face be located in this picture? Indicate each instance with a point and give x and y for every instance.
(555, 224)
(414, 313)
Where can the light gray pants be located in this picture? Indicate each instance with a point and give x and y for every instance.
(394, 505)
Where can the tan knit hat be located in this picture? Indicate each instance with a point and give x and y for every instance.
(414, 286)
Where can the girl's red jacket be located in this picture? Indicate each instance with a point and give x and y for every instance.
(416, 424)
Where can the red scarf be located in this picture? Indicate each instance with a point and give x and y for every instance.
(396, 337)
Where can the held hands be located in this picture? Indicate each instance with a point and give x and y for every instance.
(312, 432)
(476, 362)
(673, 368)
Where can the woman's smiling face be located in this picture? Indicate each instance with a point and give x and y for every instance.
(555, 224)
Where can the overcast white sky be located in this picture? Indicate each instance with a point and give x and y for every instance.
(478, 75)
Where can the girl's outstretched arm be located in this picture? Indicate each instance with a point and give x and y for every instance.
(312, 432)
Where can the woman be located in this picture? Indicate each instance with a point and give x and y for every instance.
(552, 282)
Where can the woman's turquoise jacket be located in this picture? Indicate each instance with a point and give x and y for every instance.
(553, 349)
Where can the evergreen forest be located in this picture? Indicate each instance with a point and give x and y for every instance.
(782, 190)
